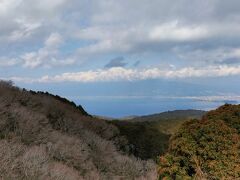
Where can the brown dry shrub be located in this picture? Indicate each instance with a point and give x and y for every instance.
(42, 137)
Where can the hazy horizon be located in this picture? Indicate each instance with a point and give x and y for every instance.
(133, 98)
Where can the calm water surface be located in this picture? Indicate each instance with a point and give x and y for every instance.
(120, 107)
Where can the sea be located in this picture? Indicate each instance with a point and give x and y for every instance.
(118, 107)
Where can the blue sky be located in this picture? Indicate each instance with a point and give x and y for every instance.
(116, 49)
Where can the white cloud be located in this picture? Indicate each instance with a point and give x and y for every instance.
(128, 39)
(175, 32)
(219, 98)
(141, 38)
(32, 59)
(22, 19)
(124, 74)
(109, 39)
(222, 55)
(54, 41)
(25, 30)
(235, 53)
(8, 5)
(118, 27)
(46, 5)
(6, 62)
(105, 47)
(123, 28)
(93, 33)
(48, 55)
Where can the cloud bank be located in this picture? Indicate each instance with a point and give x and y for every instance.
(81, 36)
(124, 74)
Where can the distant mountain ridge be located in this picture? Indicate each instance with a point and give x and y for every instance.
(176, 114)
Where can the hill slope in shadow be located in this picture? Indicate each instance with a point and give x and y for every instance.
(149, 135)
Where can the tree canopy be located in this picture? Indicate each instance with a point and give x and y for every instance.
(205, 149)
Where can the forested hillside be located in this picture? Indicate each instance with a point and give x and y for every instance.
(43, 136)
(149, 135)
(205, 149)
(47, 137)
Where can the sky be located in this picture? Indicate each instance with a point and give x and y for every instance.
(102, 53)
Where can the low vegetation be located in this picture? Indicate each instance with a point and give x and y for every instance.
(47, 137)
